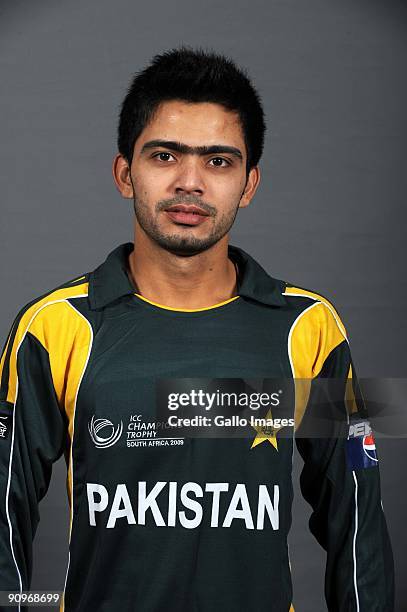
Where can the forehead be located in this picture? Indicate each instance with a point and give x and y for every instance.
(194, 123)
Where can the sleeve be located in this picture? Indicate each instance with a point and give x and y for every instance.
(32, 436)
(340, 478)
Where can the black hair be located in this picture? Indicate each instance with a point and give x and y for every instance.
(191, 75)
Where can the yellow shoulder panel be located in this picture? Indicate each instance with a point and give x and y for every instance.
(66, 335)
(313, 336)
(43, 319)
(316, 296)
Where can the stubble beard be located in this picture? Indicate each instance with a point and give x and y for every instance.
(182, 243)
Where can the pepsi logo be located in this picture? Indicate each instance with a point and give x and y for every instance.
(369, 447)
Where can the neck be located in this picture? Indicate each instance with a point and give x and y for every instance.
(196, 281)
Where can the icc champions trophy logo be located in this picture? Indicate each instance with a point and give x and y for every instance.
(103, 432)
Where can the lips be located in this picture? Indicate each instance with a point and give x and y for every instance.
(186, 215)
(191, 209)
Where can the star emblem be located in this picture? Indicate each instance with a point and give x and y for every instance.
(266, 433)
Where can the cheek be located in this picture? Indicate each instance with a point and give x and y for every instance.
(231, 186)
(154, 183)
(145, 186)
(232, 194)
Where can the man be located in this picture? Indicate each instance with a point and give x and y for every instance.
(160, 521)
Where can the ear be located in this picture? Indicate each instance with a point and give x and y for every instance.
(252, 183)
(121, 176)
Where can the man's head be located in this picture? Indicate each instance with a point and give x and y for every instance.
(191, 132)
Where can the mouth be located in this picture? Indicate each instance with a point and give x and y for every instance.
(187, 214)
(188, 208)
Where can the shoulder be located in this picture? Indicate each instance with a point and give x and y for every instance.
(317, 331)
(47, 312)
(314, 307)
(52, 322)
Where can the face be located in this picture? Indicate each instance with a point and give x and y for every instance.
(188, 176)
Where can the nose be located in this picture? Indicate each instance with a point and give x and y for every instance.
(189, 178)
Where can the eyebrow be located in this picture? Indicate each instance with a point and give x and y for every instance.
(186, 149)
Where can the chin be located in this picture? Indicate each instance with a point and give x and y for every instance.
(185, 247)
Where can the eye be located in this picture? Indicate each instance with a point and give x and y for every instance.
(163, 156)
(221, 160)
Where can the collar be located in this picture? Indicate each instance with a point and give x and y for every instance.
(110, 281)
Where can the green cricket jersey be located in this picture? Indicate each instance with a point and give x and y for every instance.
(166, 522)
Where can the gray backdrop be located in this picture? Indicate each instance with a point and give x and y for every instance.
(329, 214)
